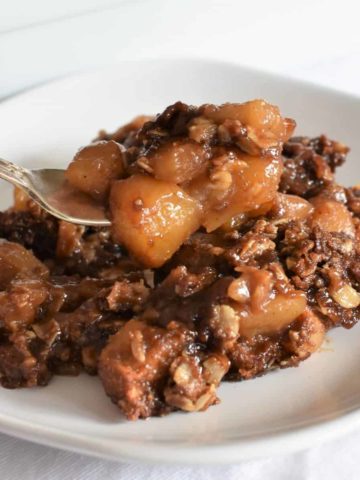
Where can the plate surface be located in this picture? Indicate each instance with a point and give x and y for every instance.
(281, 412)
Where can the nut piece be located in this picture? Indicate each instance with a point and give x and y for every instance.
(138, 347)
(192, 384)
(221, 180)
(215, 367)
(306, 336)
(346, 296)
(183, 375)
(202, 130)
(183, 403)
(225, 322)
(239, 290)
(48, 331)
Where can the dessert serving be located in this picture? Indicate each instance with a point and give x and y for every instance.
(232, 251)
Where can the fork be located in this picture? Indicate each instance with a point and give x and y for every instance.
(49, 188)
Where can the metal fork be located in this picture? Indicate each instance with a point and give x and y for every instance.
(49, 188)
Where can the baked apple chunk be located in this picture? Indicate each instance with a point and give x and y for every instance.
(152, 218)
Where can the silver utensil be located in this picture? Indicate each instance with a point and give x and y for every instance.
(50, 190)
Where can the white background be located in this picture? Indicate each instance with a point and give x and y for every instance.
(316, 40)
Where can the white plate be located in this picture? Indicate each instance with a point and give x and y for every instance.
(281, 412)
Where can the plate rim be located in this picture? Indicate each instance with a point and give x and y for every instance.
(224, 453)
(194, 59)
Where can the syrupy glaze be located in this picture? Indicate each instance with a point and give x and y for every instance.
(216, 163)
(231, 252)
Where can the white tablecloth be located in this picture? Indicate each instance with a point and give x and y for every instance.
(317, 40)
(20, 460)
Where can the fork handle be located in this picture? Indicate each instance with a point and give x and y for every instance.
(14, 173)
